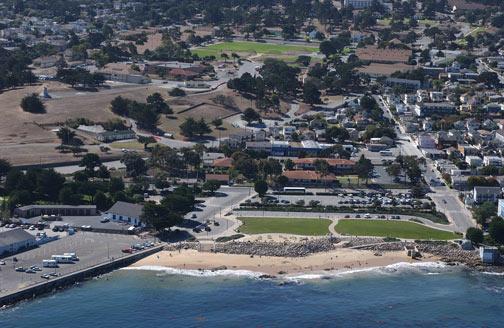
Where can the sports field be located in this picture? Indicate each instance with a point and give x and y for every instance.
(398, 229)
(248, 47)
(295, 226)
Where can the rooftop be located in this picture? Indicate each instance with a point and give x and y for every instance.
(14, 236)
(126, 209)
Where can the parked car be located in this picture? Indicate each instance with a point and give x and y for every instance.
(127, 250)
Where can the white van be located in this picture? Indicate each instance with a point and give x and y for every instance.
(49, 263)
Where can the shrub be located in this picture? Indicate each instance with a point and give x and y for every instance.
(33, 104)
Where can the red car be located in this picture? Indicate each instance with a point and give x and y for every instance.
(127, 250)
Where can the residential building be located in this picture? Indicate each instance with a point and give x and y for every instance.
(486, 194)
(15, 240)
(125, 212)
(310, 179)
(492, 161)
(336, 165)
(404, 83)
(111, 136)
(30, 211)
(473, 161)
(429, 109)
(358, 4)
(500, 208)
(489, 255)
(426, 141)
(222, 178)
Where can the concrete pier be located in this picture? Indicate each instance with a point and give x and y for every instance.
(77, 276)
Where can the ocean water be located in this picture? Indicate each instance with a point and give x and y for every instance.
(431, 295)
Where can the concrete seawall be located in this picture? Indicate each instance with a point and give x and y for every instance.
(70, 279)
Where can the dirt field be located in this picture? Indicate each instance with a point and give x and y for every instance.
(27, 138)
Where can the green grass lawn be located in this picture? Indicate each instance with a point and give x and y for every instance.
(133, 144)
(295, 226)
(398, 229)
(249, 47)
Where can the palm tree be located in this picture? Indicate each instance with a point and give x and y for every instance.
(224, 56)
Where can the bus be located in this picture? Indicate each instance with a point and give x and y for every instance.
(295, 190)
(62, 258)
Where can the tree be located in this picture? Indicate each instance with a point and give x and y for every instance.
(281, 181)
(158, 104)
(311, 93)
(5, 167)
(394, 170)
(101, 201)
(475, 235)
(364, 168)
(89, 162)
(66, 135)
(280, 77)
(177, 92)
(119, 106)
(337, 133)
(211, 186)
(484, 212)
(289, 164)
(250, 115)
(261, 187)
(224, 56)
(33, 104)
(159, 217)
(146, 140)
(217, 122)
(135, 164)
(496, 230)
(417, 191)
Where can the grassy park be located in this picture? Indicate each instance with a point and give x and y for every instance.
(295, 226)
(398, 229)
(248, 47)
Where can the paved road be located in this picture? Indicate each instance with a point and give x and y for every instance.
(446, 199)
(215, 208)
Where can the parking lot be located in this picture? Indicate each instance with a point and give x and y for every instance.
(345, 199)
(79, 221)
(91, 248)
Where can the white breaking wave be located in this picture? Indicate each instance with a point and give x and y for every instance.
(427, 267)
(197, 273)
(493, 273)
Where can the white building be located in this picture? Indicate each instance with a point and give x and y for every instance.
(492, 161)
(436, 96)
(500, 208)
(473, 161)
(486, 194)
(13, 241)
(358, 4)
(125, 212)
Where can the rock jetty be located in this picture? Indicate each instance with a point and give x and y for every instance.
(280, 249)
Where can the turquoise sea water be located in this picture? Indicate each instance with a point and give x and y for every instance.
(396, 296)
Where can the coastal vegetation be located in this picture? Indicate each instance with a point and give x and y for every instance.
(398, 229)
(295, 226)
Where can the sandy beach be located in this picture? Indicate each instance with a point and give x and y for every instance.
(339, 259)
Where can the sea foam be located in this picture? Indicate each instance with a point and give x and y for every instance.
(197, 273)
(401, 267)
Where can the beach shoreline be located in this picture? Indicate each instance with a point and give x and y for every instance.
(340, 259)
